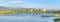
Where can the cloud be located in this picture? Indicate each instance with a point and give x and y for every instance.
(21, 4)
(18, 4)
(12, 3)
(32, 4)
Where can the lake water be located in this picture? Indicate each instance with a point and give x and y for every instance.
(27, 17)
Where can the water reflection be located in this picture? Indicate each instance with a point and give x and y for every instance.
(29, 14)
(27, 17)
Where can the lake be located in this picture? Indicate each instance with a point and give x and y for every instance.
(27, 17)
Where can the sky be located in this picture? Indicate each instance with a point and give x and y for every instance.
(48, 4)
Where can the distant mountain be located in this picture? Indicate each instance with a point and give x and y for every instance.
(5, 7)
(2, 7)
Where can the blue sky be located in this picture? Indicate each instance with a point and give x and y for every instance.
(49, 4)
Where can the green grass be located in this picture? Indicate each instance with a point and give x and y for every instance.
(57, 20)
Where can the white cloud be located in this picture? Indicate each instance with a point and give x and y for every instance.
(34, 5)
(20, 4)
(12, 3)
(25, 4)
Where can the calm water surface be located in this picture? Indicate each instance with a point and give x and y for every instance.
(27, 17)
